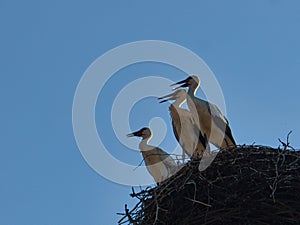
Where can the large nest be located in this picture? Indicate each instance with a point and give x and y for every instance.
(243, 185)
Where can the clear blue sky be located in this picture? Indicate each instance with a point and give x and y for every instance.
(45, 47)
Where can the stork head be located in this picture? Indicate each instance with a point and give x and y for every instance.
(178, 95)
(145, 132)
(191, 81)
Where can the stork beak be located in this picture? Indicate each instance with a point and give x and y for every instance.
(183, 84)
(179, 82)
(137, 133)
(166, 98)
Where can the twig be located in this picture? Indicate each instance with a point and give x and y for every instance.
(286, 144)
(196, 201)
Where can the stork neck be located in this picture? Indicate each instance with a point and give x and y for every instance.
(192, 90)
(178, 103)
(145, 140)
(144, 147)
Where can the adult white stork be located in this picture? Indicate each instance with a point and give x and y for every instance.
(158, 162)
(187, 133)
(211, 120)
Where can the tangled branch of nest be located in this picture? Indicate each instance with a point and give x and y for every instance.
(243, 185)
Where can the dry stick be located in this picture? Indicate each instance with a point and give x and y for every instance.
(157, 209)
(275, 182)
(140, 193)
(287, 144)
(196, 201)
(128, 215)
(195, 188)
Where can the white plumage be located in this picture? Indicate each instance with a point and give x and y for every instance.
(211, 120)
(187, 133)
(158, 162)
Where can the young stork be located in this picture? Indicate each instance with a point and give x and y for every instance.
(211, 120)
(187, 133)
(158, 162)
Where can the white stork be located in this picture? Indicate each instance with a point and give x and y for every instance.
(187, 133)
(158, 162)
(211, 120)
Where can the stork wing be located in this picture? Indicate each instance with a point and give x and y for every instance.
(220, 120)
(165, 157)
(216, 112)
(191, 131)
(170, 162)
(197, 131)
(176, 123)
(171, 165)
